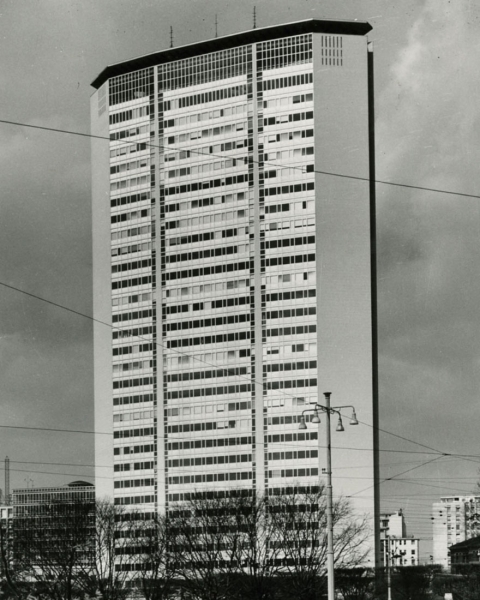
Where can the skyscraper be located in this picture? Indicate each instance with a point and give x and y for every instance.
(233, 230)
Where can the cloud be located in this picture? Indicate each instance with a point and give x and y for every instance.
(427, 135)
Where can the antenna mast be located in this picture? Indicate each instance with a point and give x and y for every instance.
(171, 36)
(7, 480)
(216, 26)
(254, 17)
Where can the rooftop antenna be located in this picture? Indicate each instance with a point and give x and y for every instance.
(171, 36)
(216, 26)
(7, 480)
(254, 17)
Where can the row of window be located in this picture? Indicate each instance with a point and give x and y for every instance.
(227, 372)
(199, 134)
(129, 500)
(209, 460)
(212, 96)
(289, 224)
(290, 384)
(130, 216)
(120, 235)
(127, 383)
(274, 367)
(293, 455)
(138, 466)
(290, 260)
(287, 136)
(130, 199)
(221, 286)
(210, 391)
(209, 443)
(299, 330)
(130, 166)
(283, 82)
(310, 348)
(133, 299)
(208, 408)
(134, 449)
(129, 433)
(286, 172)
(119, 350)
(187, 325)
(209, 477)
(289, 242)
(287, 189)
(125, 149)
(127, 115)
(205, 185)
(275, 473)
(209, 304)
(127, 183)
(125, 133)
(295, 295)
(132, 366)
(205, 271)
(288, 154)
(130, 266)
(131, 86)
(208, 357)
(284, 100)
(124, 283)
(200, 254)
(137, 398)
(209, 339)
(202, 202)
(207, 236)
(131, 483)
(218, 165)
(120, 250)
(205, 151)
(293, 312)
(218, 217)
(205, 68)
(290, 278)
(133, 416)
(302, 436)
(289, 118)
(205, 116)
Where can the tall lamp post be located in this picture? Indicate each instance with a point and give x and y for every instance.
(329, 410)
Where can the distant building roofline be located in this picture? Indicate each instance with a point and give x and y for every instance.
(328, 26)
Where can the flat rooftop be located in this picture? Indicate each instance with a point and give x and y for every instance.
(262, 34)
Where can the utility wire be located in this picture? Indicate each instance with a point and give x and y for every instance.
(199, 152)
(91, 318)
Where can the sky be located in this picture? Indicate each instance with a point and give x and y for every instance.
(427, 133)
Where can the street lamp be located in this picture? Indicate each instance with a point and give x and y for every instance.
(329, 410)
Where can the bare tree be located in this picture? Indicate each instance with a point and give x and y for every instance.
(116, 551)
(206, 543)
(301, 533)
(155, 564)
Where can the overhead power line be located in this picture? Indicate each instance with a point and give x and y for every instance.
(439, 453)
(330, 173)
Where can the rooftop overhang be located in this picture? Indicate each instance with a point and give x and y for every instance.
(263, 34)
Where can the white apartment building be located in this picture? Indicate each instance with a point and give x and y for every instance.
(402, 551)
(233, 235)
(454, 519)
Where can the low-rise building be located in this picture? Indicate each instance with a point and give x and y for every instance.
(402, 551)
(465, 553)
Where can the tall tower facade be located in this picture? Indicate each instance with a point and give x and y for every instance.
(233, 229)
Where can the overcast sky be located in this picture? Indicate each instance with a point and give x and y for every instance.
(428, 131)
